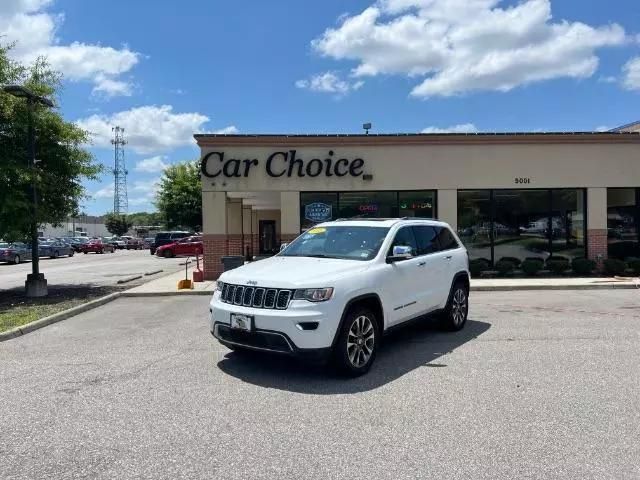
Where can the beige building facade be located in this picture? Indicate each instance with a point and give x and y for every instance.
(507, 195)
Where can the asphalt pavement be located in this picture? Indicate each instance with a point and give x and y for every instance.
(539, 385)
(88, 269)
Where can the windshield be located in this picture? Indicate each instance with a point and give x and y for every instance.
(351, 243)
(4, 245)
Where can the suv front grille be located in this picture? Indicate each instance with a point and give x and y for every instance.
(256, 297)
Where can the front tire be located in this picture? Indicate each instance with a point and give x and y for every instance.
(168, 254)
(357, 343)
(16, 259)
(457, 309)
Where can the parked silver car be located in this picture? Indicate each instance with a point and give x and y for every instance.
(55, 249)
(14, 252)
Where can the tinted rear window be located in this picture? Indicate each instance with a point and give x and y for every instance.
(163, 235)
(446, 239)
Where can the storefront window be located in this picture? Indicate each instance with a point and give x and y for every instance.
(623, 222)
(474, 222)
(417, 204)
(521, 224)
(317, 208)
(568, 223)
(368, 204)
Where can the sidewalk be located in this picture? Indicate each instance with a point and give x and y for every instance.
(167, 285)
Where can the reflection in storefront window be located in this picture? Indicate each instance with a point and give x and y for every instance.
(623, 222)
(474, 222)
(521, 224)
(317, 207)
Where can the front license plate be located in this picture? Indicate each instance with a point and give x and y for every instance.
(242, 322)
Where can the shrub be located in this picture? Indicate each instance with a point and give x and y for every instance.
(531, 267)
(514, 260)
(560, 258)
(613, 266)
(557, 266)
(477, 266)
(505, 267)
(535, 259)
(634, 264)
(583, 266)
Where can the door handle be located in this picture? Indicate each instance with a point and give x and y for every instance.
(448, 257)
(422, 264)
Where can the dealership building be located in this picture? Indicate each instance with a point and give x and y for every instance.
(570, 194)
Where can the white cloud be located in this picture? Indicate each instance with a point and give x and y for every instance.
(105, 192)
(27, 23)
(457, 46)
(148, 129)
(329, 82)
(460, 128)
(152, 165)
(109, 87)
(230, 130)
(602, 128)
(631, 72)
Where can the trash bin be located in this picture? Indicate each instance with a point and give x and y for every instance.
(232, 261)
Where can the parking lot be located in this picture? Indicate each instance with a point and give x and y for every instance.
(90, 269)
(538, 385)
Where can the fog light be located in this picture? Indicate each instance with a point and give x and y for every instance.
(308, 325)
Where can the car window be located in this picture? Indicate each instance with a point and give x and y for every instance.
(179, 235)
(405, 238)
(446, 240)
(426, 238)
(342, 242)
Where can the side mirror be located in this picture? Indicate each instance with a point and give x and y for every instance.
(399, 253)
(283, 246)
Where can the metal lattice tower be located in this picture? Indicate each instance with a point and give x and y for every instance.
(120, 201)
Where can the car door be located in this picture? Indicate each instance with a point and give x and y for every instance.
(433, 267)
(403, 278)
(447, 244)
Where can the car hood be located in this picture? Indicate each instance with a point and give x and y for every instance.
(293, 272)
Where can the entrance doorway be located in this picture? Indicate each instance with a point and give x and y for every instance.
(267, 235)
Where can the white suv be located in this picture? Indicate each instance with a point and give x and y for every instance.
(334, 290)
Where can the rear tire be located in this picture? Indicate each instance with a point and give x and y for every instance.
(16, 259)
(357, 343)
(55, 254)
(168, 254)
(455, 313)
(71, 253)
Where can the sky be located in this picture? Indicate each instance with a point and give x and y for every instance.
(165, 70)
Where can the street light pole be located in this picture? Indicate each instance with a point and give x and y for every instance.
(36, 284)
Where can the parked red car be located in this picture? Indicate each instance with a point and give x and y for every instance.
(188, 246)
(96, 245)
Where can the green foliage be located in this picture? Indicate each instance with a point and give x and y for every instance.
(514, 260)
(505, 267)
(634, 264)
(146, 219)
(117, 224)
(64, 162)
(179, 198)
(477, 266)
(535, 259)
(558, 265)
(613, 266)
(531, 267)
(583, 266)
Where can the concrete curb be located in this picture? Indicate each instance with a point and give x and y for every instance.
(153, 272)
(520, 288)
(175, 293)
(57, 317)
(129, 279)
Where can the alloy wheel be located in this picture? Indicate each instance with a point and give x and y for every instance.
(360, 341)
(459, 306)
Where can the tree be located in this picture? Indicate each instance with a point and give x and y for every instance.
(63, 161)
(117, 224)
(146, 219)
(179, 198)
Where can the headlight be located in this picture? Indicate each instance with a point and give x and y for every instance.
(314, 294)
(219, 286)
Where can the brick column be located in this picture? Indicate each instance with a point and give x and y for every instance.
(597, 244)
(597, 224)
(215, 247)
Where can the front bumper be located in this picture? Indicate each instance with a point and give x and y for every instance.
(267, 341)
(300, 327)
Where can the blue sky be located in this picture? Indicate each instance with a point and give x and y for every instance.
(165, 70)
